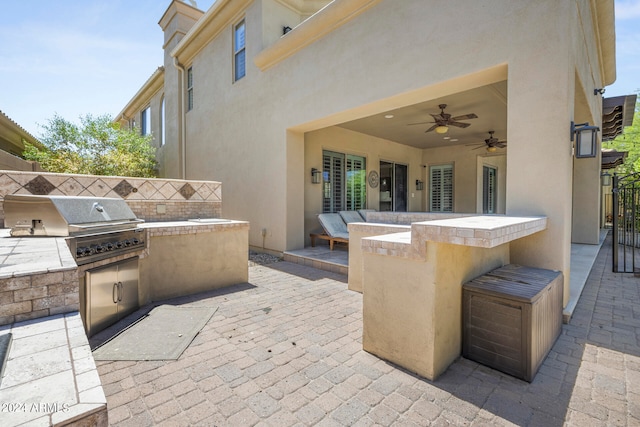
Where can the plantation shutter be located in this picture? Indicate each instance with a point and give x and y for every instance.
(333, 173)
(441, 188)
(488, 190)
(356, 183)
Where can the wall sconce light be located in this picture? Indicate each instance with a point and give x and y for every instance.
(605, 179)
(316, 176)
(419, 185)
(285, 30)
(599, 91)
(586, 137)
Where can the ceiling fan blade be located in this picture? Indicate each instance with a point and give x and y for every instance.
(465, 117)
(459, 124)
(501, 144)
(482, 146)
(421, 123)
(431, 128)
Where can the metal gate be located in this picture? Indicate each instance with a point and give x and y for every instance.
(626, 223)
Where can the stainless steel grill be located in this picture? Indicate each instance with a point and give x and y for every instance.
(100, 227)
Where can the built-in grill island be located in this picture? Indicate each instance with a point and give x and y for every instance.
(99, 232)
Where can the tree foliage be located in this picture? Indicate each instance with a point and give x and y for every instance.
(629, 141)
(97, 146)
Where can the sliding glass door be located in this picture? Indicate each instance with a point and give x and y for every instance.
(393, 187)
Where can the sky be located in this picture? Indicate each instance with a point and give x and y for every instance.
(73, 57)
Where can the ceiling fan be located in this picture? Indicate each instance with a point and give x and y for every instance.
(443, 120)
(491, 143)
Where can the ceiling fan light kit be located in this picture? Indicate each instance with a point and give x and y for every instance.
(442, 129)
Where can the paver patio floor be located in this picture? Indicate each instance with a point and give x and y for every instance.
(285, 349)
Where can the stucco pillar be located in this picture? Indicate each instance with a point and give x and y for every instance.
(175, 23)
(539, 163)
(294, 220)
(586, 200)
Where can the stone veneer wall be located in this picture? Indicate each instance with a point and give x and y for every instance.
(38, 295)
(152, 199)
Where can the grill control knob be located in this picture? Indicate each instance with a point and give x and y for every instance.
(98, 248)
(108, 246)
(127, 242)
(80, 252)
(119, 245)
(135, 241)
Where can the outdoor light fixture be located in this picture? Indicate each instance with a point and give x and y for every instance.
(605, 179)
(586, 137)
(419, 185)
(316, 176)
(285, 30)
(442, 129)
(599, 91)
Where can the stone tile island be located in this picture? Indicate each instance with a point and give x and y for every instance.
(412, 283)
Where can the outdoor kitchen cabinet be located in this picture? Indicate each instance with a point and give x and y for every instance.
(512, 316)
(111, 293)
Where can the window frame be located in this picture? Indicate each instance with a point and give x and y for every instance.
(239, 51)
(189, 89)
(442, 205)
(339, 176)
(163, 124)
(145, 121)
(489, 189)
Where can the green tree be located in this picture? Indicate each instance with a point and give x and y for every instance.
(97, 146)
(629, 141)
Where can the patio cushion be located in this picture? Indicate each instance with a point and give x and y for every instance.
(351, 216)
(363, 212)
(334, 225)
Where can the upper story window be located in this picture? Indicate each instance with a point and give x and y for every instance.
(162, 122)
(145, 121)
(239, 55)
(190, 89)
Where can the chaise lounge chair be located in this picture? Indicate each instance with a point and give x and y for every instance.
(335, 230)
(351, 216)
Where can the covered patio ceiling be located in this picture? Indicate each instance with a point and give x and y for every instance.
(489, 103)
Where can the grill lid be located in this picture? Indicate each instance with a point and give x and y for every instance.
(29, 215)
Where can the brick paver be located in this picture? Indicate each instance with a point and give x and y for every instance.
(286, 350)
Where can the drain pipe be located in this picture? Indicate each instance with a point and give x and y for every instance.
(182, 121)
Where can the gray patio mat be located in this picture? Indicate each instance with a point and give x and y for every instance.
(161, 335)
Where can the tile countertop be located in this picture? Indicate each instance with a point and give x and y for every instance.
(21, 256)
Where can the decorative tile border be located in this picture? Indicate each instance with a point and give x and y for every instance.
(152, 199)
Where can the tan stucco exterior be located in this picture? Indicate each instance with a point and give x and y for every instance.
(412, 313)
(262, 134)
(198, 259)
(12, 139)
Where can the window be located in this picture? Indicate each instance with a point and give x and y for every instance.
(441, 188)
(239, 65)
(162, 122)
(489, 184)
(344, 181)
(190, 89)
(145, 121)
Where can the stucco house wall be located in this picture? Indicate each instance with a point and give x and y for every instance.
(359, 58)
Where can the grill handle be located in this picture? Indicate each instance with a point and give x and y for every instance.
(120, 286)
(115, 293)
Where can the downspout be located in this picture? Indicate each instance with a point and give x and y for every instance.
(182, 119)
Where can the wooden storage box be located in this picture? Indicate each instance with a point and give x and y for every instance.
(511, 318)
